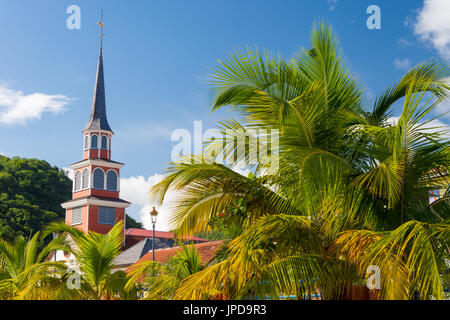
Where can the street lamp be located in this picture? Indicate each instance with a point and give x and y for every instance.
(55, 235)
(153, 215)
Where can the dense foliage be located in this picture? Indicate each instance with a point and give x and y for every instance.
(131, 223)
(25, 272)
(94, 254)
(31, 193)
(159, 281)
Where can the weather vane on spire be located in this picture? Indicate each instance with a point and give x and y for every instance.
(100, 23)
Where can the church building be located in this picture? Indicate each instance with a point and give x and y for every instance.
(95, 204)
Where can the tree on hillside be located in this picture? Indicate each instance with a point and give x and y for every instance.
(31, 193)
(131, 223)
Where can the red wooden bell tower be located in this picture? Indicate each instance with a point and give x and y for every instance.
(95, 204)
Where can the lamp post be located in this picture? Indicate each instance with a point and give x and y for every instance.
(153, 215)
(55, 235)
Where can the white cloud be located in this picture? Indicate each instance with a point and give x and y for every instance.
(18, 108)
(136, 190)
(5, 154)
(434, 125)
(332, 4)
(444, 106)
(370, 94)
(438, 125)
(402, 64)
(403, 42)
(433, 25)
(407, 21)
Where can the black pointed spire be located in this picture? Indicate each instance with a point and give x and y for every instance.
(98, 120)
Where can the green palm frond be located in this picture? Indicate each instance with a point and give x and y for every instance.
(23, 262)
(161, 280)
(98, 253)
(429, 77)
(95, 255)
(411, 257)
(207, 189)
(218, 281)
(142, 271)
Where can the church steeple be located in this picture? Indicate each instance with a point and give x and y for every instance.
(98, 119)
(95, 204)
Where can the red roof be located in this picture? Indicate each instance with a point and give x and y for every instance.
(206, 251)
(158, 234)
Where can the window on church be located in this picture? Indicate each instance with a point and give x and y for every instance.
(106, 215)
(86, 142)
(104, 142)
(77, 181)
(85, 179)
(76, 215)
(94, 142)
(99, 179)
(111, 180)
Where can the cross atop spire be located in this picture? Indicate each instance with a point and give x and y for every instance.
(101, 23)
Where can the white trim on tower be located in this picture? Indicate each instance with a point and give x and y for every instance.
(97, 162)
(95, 202)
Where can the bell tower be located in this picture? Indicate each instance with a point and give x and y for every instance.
(95, 204)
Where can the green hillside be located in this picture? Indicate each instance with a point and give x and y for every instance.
(31, 193)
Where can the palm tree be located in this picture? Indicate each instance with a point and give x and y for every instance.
(162, 280)
(24, 271)
(351, 189)
(95, 254)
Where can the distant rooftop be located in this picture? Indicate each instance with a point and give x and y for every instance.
(137, 251)
(158, 234)
(207, 252)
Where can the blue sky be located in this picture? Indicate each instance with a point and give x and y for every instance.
(157, 57)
